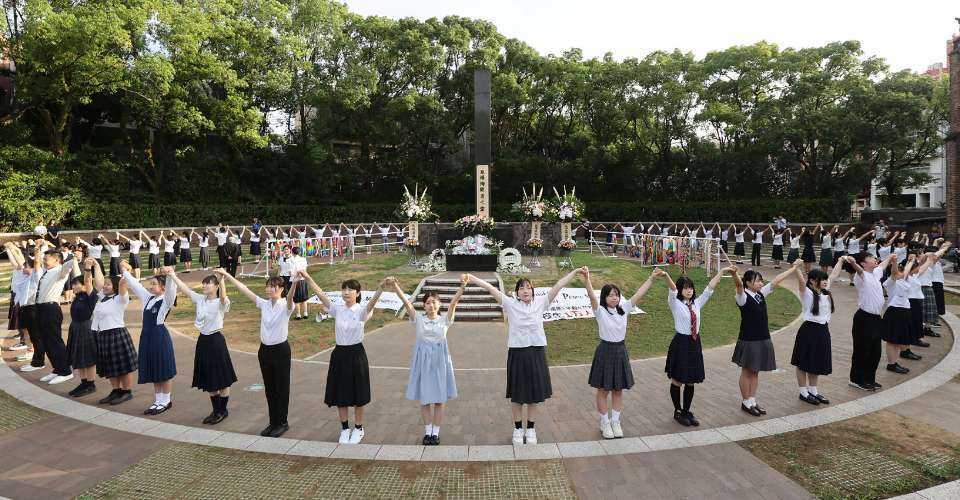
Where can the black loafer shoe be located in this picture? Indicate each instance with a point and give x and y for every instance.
(427, 439)
(821, 399)
(760, 409)
(932, 333)
(267, 430)
(434, 440)
(810, 399)
(876, 386)
(121, 398)
(896, 368)
(920, 343)
(279, 430)
(693, 420)
(750, 409)
(114, 394)
(161, 409)
(681, 418)
(910, 355)
(217, 418)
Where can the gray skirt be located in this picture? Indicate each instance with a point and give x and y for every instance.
(756, 355)
(611, 369)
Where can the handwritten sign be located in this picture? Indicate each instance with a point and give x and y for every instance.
(571, 303)
(388, 300)
(483, 190)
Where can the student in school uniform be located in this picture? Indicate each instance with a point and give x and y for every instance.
(855, 244)
(274, 352)
(738, 249)
(868, 325)
(81, 341)
(94, 250)
(777, 254)
(754, 352)
(840, 245)
(169, 254)
(757, 244)
(22, 287)
(348, 375)
(47, 324)
(936, 278)
(213, 371)
(284, 264)
(826, 249)
(186, 257)
(135, 245)
(203, 243)
(113, 250)
(684, 365)
(610, 371)
(153, 254)
(157, 364)
(793, 254)
(232, 254)
(807, 254)
(528, 376)
(812, 352)
(915, 296)
(431, 380)
(898, 329)
(725, 238)
(116, 356)
(300, 296)
(255, 249)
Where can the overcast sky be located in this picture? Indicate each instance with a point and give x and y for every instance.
(909, 34)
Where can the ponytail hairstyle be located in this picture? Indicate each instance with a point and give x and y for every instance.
(519, 285)
(684, 282)
(214, 280)
(818, 276)
(605, 291)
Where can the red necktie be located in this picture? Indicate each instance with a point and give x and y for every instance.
(693, 323)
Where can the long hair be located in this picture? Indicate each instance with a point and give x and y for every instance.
(605, 291)
(818, 275)
(684, 282)
(214, 280)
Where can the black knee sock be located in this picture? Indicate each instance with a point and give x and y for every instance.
(518, 424)
(223, 404)
(529, 424)
(215, 402)
(675, 396)
(344, 424)
(687, 397)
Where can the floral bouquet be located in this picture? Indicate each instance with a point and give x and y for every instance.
(416, 206)
(568, 207)
(567, 244)
(411, 242)
(474, 245)
(535, 243)
(474, 224)
(531, 207)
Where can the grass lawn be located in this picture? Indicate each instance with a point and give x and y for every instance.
(649, 335)
(875, 456)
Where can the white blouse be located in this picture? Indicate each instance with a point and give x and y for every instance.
(108, 314)
(153, 247)
(898, 292)
(95, 251)
(739, 237)
(168, 246)
(184, 242)
(430, 330)
(795, 242)
(823, 316)
(113, 250)
(778, 239)
(274, 320)
(348, 323)
(838, 245)
(204, 241)
(221, 238)
(147, 298)
(826, 241)
(525, 321)
(209, 318)
(853, 246)
(611, 324)
(916, 289)
(135, 246)
(681, 311)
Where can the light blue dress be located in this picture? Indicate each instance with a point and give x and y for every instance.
(431, 368)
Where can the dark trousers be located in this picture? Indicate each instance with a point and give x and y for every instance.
(232, 266)
(47, 324)
(275, 367)
(27, 321)
(755, 255)
(867, 347)
(938, 293)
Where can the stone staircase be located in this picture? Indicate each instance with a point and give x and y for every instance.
(475, 304)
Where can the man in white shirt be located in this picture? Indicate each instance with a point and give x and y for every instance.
(867, 323)
(48, 317)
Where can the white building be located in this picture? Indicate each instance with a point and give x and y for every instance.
(930, 195)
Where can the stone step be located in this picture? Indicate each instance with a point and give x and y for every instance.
(464, 306)
(476, 297)
(450, 290)
(455, 282)
(478, 316)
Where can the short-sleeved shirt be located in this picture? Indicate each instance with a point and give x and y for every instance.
(108, 313)
(274, 320)
(681, 311)
(348, 323)
(869, 290)
(209, 317)
(823, 313)
(898, 292)
(525, 321)
(430, 330)
(81, 309)
(612, 324)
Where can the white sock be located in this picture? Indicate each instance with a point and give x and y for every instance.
(751, 402)
(166, 398)
(157, 398)
(746, 402)
(813, 390)
(427, 430)
(803, 391)
(616, 416)
(604, 418)
(436, 430)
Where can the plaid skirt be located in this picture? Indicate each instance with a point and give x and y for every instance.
(115, 353)
(685, 360)
(154, 260)
(611, 369)
(81, 345)
(930, 315)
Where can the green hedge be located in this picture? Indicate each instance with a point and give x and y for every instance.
(107, 215)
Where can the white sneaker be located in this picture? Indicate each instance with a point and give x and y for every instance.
(356, 436)
(518, 436)
(59, 379)
(617, 430)
(30, 368)
(345, 436)
(48, 377)
(606, 431)
(20, 347)
(531, 436)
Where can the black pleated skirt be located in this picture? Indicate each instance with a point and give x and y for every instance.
(916, 318)
(898, 326)
(837, 255)
(254, 248)
(685, 360)
(793, 255)
(115, 267)
(154, 260)
(115, 353)
(135, 260)
(611, 369)
(724, 246)
(756, 355)
(807, 255)
(81, 345)
(811, 349)
(738, 249)
(777, 253)
(185, 255)
(169, 259)
(348, 377)
(528, 376)
(212, 366)
(300, 292)
(938, 295)
(826, 257)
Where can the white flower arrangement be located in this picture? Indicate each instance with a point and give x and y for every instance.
(477, 244)
(513, 268)
(531, 207)
(568, 207)
(416, 206)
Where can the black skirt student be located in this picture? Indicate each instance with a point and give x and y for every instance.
(684, 365)
(348, 374)
(754, 351)
(81, 341)
(528, 375)
(812, 352)
(898, 322)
